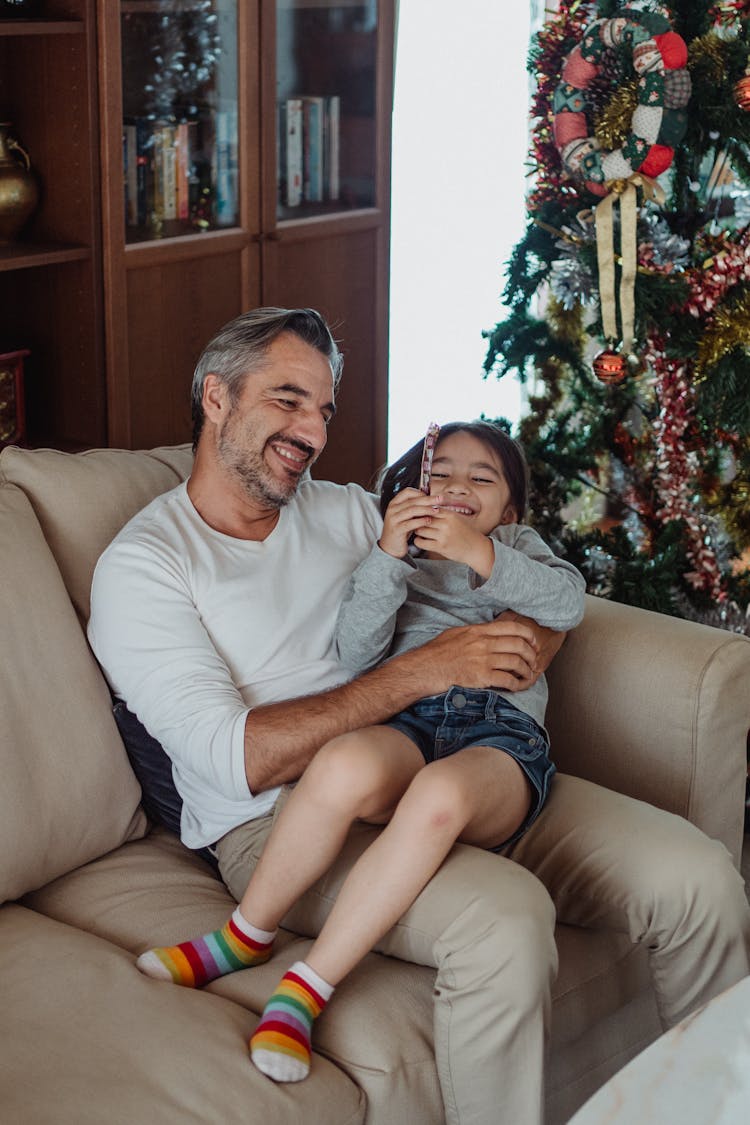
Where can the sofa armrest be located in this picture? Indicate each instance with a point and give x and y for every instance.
(657, 708)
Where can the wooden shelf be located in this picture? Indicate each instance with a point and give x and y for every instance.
(321, 3)
(26, 255)
(41, 27)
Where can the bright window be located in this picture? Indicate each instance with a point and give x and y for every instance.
(460, 144)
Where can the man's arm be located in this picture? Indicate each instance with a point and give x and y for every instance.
(281, 738)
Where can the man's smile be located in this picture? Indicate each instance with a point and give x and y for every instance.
(296, 455)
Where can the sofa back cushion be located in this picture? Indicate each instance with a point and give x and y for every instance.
(83, 499)
(68, 794)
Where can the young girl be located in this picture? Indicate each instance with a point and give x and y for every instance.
(468, 765)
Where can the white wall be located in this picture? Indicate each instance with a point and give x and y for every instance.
(460, 144)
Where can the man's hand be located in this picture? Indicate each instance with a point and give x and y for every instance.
(498, 654)
(509, 653)
(548, 641)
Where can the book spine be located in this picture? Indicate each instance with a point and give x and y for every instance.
(157, 194)
(131, 174)
(293, 136)
(333, 131)
(312, 133)
(183, 165)
(169, 165)
(144, 170)
(226, 145)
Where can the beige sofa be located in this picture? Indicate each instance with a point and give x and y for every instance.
(87, 884)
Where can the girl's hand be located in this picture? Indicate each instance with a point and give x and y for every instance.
(409, 510)
(453, 536)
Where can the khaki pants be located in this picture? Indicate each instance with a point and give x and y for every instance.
(486, 924)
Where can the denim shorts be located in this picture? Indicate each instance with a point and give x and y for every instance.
(440, 725)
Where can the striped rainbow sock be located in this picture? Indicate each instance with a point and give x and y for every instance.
(280, 1046)
(237, 945)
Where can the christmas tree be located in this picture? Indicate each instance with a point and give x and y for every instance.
(629, 302)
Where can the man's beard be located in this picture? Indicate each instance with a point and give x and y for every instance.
(251, 471)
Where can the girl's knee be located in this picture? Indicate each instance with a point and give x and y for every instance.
(346, 770)
(438, 800)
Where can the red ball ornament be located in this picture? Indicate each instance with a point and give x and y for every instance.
(610, 367)
(742, 93)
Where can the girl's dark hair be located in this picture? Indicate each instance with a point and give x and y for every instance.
(405, 472)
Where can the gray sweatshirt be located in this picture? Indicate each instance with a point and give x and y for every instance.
(393, 605)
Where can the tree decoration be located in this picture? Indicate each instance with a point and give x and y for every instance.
(639, 451)
(662, 88)
(610, 366)
(742, 90)
(658, 95)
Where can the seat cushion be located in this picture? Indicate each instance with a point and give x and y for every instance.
(68, 794)
(378, 1028)
(86, 1039)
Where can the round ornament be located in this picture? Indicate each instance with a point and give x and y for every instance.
(658, 57)
(610, 367)
(742, 93)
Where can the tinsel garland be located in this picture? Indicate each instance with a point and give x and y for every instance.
(729, 329)
(727, 263)
(707, 51)
(726, 12)
(675, 468)
(612, 124)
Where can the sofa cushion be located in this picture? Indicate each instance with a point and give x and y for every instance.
(86, 1039)
(68, 794)
(82, 500)
(154, 892)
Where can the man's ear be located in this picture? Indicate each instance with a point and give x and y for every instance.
(215, 399)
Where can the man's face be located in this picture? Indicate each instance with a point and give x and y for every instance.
(277, 428)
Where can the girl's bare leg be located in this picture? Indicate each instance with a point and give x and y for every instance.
(479, 795)
(362, 774)
(358, 776)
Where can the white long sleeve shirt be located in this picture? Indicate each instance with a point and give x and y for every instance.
(193, 628)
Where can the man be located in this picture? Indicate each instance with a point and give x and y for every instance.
(213, 614)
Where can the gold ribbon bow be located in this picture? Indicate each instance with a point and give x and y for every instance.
(626, 192)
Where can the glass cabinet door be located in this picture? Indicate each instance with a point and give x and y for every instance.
(326, 54)
(179, 98)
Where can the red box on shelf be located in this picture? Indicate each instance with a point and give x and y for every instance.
(12, 414)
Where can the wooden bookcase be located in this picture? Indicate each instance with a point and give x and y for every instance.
(168, 288)
(50, 280)
(115, 311)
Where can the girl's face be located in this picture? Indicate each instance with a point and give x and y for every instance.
(469, 476)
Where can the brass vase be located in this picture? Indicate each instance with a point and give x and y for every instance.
(19, 190)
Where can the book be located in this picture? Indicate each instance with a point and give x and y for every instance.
(292, 134)
(226, 168)
(332, 147)
(313, 112)
(182, 153)
(130, 157)
(144, 168)
(168, 155)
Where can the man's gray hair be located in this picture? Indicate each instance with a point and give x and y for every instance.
(241, 347)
